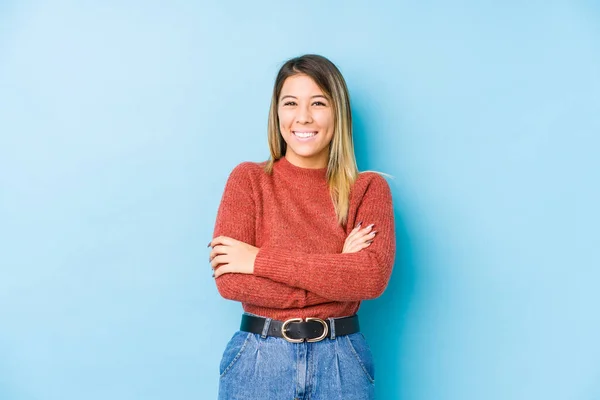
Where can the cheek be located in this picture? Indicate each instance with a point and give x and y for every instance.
(326, 121)
(284, 120)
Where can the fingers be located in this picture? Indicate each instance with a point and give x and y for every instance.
(220, 249)
(366, 244)
(223, 269)
(359, 239)
(370, 235)
(359, 234)
(224, 240)
(358, 247)
(220, 256)
(356, 228)
(367, 229)
(220, 259)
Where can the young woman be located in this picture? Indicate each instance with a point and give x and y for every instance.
(300, 240)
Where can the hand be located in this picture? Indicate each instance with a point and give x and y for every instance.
(359, 239)
(231, 256)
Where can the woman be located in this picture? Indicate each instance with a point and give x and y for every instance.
(300, 240)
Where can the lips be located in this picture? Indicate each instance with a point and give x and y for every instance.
(304, 134)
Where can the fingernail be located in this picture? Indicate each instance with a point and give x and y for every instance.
(370, 226)
(373, 233)
(213, 275)
(209, 243)
(359, 224)
(369, 241)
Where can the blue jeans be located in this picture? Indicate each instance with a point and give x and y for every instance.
(257, 367)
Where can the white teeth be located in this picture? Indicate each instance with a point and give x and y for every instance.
(305, 134)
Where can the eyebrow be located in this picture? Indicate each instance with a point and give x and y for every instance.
(294, 97)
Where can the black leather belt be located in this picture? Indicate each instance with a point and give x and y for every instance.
(295, 330)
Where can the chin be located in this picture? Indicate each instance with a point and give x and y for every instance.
(306, 154)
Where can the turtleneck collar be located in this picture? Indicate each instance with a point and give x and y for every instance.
(309, 175)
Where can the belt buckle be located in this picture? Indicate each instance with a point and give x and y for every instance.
(317, 339)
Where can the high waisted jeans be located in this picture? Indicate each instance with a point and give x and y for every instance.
(271, 368)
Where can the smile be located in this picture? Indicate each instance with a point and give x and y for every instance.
(304, 135)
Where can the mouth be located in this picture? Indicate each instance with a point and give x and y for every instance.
(304, 135)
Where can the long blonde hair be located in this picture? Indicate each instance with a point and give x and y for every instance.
(342, 170)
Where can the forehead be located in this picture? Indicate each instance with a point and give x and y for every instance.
(300, 85)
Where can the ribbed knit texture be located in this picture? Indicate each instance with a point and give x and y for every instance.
(299, 270)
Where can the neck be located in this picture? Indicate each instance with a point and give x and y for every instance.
(308, 175)
(300, 162)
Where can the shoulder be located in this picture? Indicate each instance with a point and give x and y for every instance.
(370, 185)
(248, 169)
(247, 172)
(370, 180)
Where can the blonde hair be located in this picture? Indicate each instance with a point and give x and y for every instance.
(342, 170)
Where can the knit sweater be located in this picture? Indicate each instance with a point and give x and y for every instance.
(300, 270)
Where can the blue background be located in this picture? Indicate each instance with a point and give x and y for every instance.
(121, 120)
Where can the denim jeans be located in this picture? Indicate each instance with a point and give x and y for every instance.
(270, 368)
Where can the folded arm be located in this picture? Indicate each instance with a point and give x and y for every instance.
(236, 218)
(341, 277)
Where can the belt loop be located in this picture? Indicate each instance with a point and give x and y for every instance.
(266, 328)
(332, 328)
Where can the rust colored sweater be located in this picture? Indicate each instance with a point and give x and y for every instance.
(299, 270)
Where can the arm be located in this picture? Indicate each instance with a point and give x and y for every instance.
(236, 218)
(341, 277)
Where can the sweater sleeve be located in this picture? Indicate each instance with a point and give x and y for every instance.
(342, 277)
(236, 218)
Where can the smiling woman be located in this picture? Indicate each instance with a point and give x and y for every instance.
(305, 122)
(300, 240)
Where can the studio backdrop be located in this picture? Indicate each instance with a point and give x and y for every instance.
(120, 122)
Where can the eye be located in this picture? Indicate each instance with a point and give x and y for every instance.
(289, 103)
(319, 103)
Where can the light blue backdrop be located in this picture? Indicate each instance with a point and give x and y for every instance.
(120, 121)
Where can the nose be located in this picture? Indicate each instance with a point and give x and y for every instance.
(303, 116)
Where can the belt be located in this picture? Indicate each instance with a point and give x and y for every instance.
(295, 330)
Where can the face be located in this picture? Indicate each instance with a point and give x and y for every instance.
(305, 121)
